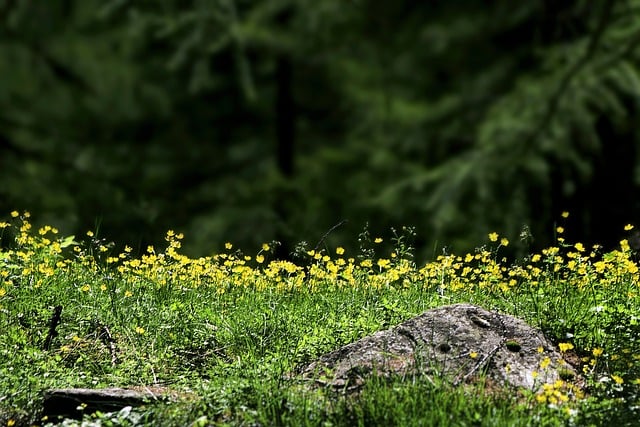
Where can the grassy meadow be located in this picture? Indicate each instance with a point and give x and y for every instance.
(227, 329)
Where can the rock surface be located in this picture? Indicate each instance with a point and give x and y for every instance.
(457, 342)
(73, 402)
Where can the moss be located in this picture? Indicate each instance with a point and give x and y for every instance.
(566, 374)
(513, 345)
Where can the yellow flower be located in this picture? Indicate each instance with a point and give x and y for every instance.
(597, 351)
(628, 227)
(504, 242)
(128, 294)
(11, 422)
(473, 355)
(540, 349)
(493, 236)
(545, 363)
(85, 288)
(535, 258)
(266, 247)
(139, 330)
(14, 214)
(259, 259)
(617, 379)
(90, 233)
(228, 246)
(560, 230)
(340, 250)
(565, 214)
(564, 346)
(378, 240)
(579, 247)
(624, 245)
(383, 263)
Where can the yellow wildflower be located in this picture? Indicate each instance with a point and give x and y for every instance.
(624, 245)
(564, 346)
(545, 363)
(628, 227)
(493, 236)
(383, 263)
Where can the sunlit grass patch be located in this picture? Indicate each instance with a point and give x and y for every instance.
(245, 320)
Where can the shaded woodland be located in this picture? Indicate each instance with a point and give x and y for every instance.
(245, 121)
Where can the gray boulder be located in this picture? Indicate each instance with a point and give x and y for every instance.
(458, 342)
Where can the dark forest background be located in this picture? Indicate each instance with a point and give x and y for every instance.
(248, 121)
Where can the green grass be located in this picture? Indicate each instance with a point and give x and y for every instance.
(230, 328)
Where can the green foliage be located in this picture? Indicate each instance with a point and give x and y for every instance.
(150, 116)
(233, 329)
